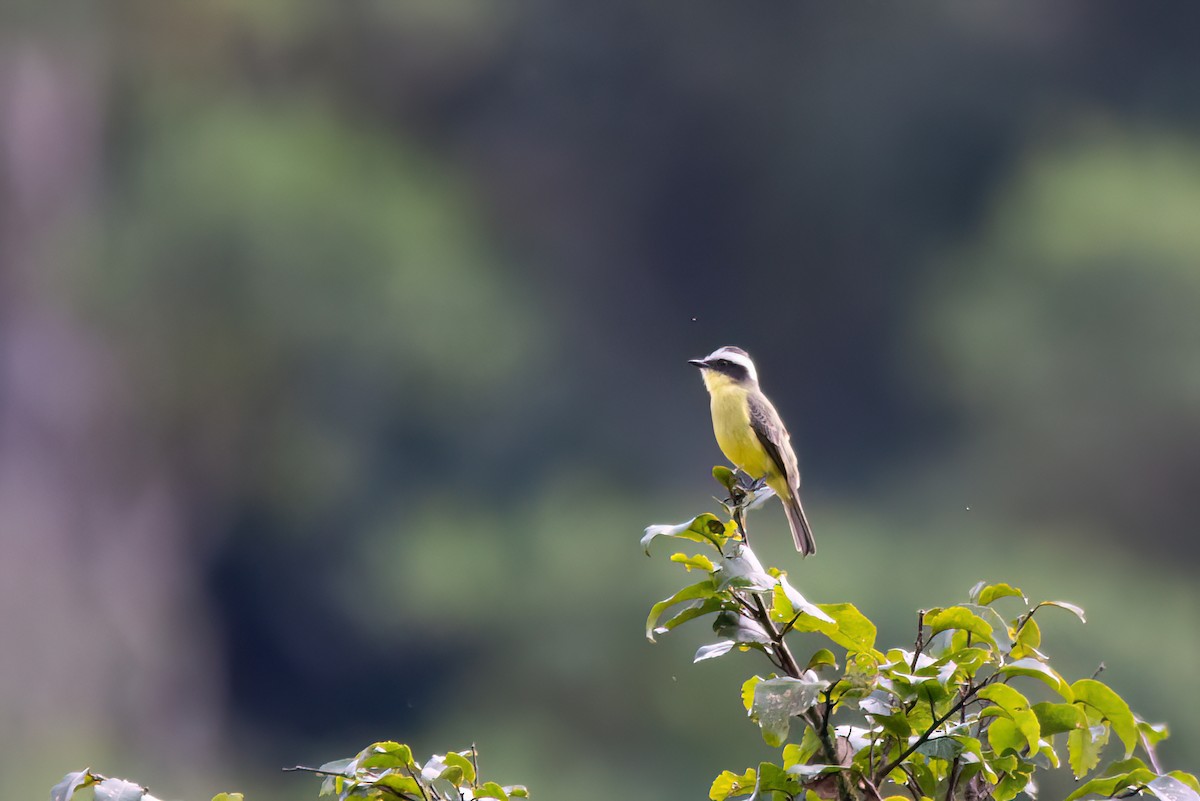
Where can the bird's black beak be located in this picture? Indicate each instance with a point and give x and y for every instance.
(698, 362)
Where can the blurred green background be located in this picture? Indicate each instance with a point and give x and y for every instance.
(342, 361)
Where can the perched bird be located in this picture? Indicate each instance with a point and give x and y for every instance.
(751, 435)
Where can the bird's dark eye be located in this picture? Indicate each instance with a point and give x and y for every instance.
(724, 363)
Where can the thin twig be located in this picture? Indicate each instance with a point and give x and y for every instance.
(920, 639)
(418, 781)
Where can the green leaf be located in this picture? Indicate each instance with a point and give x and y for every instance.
(725, 477)
(1029, 639)
(961, 618)
(706, 528)
(1072, 608)
(730, 784)
(800, 754)
(1109, 786)
(713, 650)
(491, 790)
(691, 612)
(822, 658)
(1039, 670)
(72, 782)
(896, 725)
(403, 786)
(516, 790)
(851, 629)
(1004, 736)
(1016, 707)
(993, 592)
(697, 562)
(1000, 630)
(1173, 788)
(943, 748)
(777, 700)
(748, 691)
(119, 790)
(1083, 748)
(386, 754)
(1154, 733)
(1101, 697)
(774, 779)
(698, 591)
(1010, 785)
(228, 797)
(1058, 718)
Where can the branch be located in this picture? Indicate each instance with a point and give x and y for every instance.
(929, 732)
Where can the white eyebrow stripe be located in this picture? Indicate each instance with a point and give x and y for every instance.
(736, 358)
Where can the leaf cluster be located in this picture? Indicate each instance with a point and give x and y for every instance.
(104, 788)
(974, 709)
(387, 771)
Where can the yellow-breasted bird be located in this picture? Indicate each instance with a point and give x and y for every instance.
(751, 435)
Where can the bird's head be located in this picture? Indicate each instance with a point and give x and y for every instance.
(727, 365)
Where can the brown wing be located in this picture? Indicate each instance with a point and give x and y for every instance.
(767, 426)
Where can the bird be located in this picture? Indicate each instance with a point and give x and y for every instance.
(751, 434)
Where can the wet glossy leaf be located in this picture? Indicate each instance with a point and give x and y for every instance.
(713, 650)
(777, 700)
(1173, 788)
(72, 782)
(787, 602)
(743, 572)
(119, 790)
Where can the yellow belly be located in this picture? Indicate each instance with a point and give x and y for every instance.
(735, 437)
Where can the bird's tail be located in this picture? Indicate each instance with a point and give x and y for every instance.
(801, 531)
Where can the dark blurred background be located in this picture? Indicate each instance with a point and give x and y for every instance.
(342, 361)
